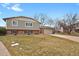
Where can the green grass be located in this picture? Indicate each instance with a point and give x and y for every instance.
(40, 45)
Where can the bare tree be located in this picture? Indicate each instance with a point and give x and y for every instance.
(58, 24)
(41, 17)
(68, 22)
(50, 22)
(71, 20)
(62, 24)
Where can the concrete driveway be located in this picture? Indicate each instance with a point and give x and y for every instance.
(73, 38)
(3, 50)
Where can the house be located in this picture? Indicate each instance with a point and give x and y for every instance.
(61, 29)
(76, 25)
(24, 25)
(74, 29)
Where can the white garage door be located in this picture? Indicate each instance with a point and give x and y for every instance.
(47, 31)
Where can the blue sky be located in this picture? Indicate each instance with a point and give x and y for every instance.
(54, 10)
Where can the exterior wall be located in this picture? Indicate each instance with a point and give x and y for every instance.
(22, 23)
(8, 32)
(41, 30)
(77, 26)
(20, 31)
(36, 31)
(23, 32)
(48, 31)
(61, 29)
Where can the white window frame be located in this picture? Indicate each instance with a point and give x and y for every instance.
(28, 22)
(15, 21)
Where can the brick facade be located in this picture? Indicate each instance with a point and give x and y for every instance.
(23, 32)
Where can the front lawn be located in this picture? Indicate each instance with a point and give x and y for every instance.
(40, 45)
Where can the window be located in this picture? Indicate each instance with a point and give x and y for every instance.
(14, 23)
(29, 24)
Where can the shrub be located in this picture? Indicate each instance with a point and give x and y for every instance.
(2, 31)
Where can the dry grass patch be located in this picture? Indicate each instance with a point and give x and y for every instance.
(40, 45)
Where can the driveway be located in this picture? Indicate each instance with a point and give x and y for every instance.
(3, 50)
(73, 38)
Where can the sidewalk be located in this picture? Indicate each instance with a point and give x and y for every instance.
(3, 50)
(73, 38)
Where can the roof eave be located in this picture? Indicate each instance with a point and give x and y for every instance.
(4, 19)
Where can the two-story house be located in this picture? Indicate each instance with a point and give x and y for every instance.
(25, 25)
(22, 25)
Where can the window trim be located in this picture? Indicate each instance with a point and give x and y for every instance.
(15, 21)
(28, 22)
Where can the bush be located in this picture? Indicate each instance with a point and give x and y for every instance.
(2, 31)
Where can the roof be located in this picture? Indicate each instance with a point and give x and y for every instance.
(46, 27)
(19, 17)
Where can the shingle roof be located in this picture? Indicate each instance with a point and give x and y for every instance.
(19, 17)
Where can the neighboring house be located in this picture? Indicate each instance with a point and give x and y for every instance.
(23, 25)
(76, 25)
(61, 29)
(75, 28)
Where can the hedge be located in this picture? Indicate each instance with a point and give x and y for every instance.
(2, 31)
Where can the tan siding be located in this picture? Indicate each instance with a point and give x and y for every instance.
(47, 31)
(21, 24)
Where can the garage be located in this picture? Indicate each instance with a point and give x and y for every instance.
(46, 30)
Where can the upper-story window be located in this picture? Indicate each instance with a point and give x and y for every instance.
(15, 23)
(28, 24)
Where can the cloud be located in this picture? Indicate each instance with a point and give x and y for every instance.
(14, 7)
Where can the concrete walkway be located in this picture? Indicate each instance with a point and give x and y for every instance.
(73, 38)
(3, 50)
